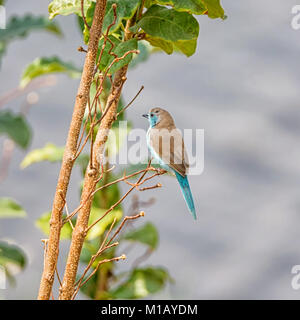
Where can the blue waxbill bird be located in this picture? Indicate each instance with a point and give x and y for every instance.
(167, 147)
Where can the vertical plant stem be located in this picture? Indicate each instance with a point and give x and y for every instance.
(69, 153)
(91, 178)
(90, 182)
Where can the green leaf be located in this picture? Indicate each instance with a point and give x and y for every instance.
(187, 47)
(9, 208)
(215, 9)
(16, 127)
(43, 223)
(21, 26)
(66, 7)
(42, 66)
(147, 234)
(89, 20)
(191, 6)
(107, 58)
(141, 283)
(167, 28)
(49, 152)
(104, 223)
(120, 50)
(11, 254)
(52, 153)
(145, 51)
(80, 23)
(165, 45)
(169, 24)
(212, 8)
(125, 10)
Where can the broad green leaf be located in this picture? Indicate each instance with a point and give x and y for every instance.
(215, 9)
(187, 47)
(16, 127)
(120, 50)
(49, 152)
(168, 24)
(80, 23)
(107, 58)
(89, 19)
(192, 6)
(104, 223)
(43, 223)
(165, 45)
(11, 254)
(9, 208)
(125, 10)
(147, 234)
(169, 29)
(43, 66)
(141, 283)
(66, 7)
(52, 153)
(212, 8)
(145, 51)
(21, 26)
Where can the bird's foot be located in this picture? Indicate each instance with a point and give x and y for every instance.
(160, 171)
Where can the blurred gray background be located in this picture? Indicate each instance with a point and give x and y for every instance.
(242, 88)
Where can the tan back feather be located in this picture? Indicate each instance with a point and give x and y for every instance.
(167, 142)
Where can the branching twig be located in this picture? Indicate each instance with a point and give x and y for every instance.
(138, 183)
(130, 103)
(122, 257)
(92, 173)
(83, 15)
(141, 214)
(104, 246)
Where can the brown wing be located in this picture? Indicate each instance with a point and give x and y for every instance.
(169, 146)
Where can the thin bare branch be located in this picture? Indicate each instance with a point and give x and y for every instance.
(83, 15)
(122, 257)
(130, 103)
(141, 214)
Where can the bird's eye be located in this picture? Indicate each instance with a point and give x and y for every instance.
(151, 114)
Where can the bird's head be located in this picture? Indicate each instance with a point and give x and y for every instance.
(159, 116)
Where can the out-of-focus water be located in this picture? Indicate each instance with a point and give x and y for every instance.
(242, 88)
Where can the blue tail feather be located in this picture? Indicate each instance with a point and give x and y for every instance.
(186, 191)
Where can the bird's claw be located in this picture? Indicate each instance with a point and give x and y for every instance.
(160, 171)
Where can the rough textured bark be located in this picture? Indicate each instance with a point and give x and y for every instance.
(90, 182)
(69, 153)
(91, 178)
